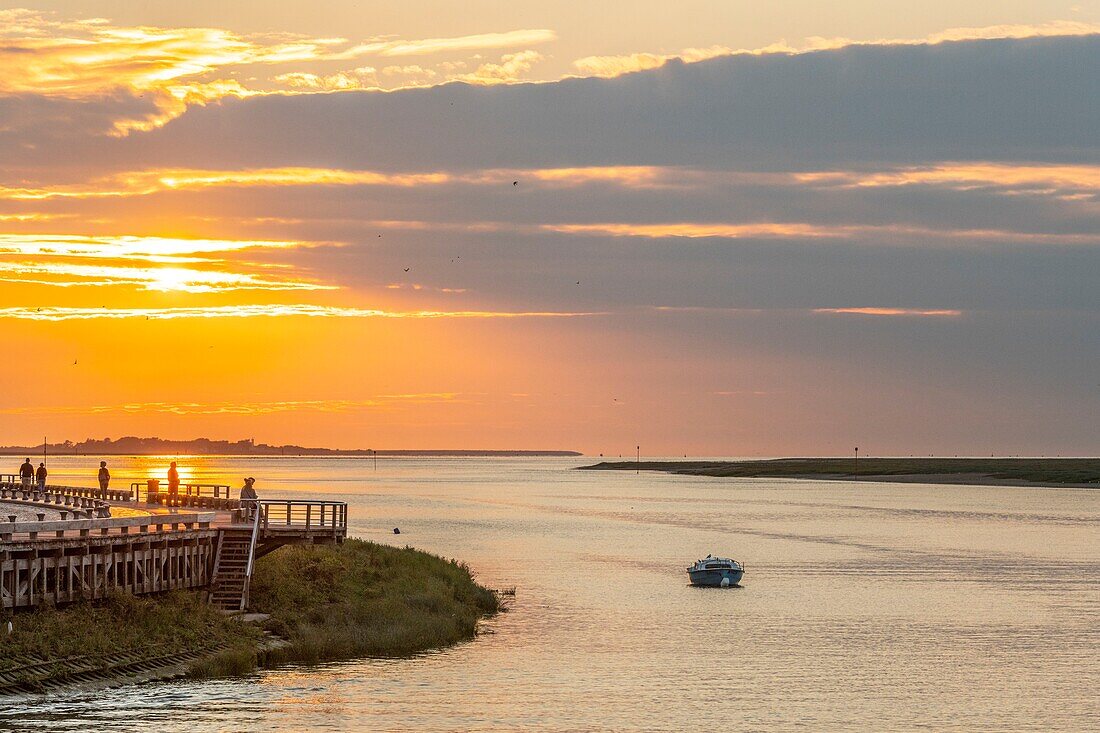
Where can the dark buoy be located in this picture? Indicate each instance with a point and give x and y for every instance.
(396, 530)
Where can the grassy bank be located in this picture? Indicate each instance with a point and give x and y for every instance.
(364, 599)
(1032, 470)
(328, 602)
(109, 638)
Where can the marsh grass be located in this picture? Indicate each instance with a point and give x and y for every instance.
(1038, 470)
(329, 602)
(150, 627)
(364, 599)
(236, 660)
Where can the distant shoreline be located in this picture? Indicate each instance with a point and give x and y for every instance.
(314, 453)
(1066, 473)
(133, 445)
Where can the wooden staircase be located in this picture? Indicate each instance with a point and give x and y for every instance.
(229, 584)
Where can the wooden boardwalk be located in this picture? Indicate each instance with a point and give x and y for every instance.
(82, 547)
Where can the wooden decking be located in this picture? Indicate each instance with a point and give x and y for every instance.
(84, 548)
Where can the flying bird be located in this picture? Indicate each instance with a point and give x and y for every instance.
(515, 183)
(406, 269)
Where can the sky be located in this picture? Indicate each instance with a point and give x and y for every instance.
(708, 228)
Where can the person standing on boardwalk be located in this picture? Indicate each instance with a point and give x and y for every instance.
(173, 480)
(40, 476)
(26, 473)
(104, 478)
(248, 497)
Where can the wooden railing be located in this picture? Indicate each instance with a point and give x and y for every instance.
(60, 498)
(158, 486)
(14, 482)
(328, 517)
(12, 531)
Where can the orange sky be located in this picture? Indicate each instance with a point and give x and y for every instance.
(430, 229)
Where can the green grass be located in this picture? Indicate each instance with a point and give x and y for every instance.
(365, 599)
(80, 636)
(1038, 470)
(329, 602)
(173, 622)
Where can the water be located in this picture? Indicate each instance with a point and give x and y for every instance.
(864, 606)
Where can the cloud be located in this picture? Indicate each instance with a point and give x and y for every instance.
(823, 165)
(79, 59)
(379, 402)
(47, 55)
(476, 42)
(145, 182)
(1005, 100)
(181, 265)
(510, 69)
(904, 312)
(612, 66)
(967, 176)
(617, 65)
(754, 230)
(153, 249)
(805, 230)
(631, 176)
(364, 77)
(162, 279)
(264, 311)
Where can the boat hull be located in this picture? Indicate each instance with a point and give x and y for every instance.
(719, 578)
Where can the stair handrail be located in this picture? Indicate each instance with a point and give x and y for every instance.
(251, 553)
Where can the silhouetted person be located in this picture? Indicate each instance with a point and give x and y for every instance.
(40, 476)
(26, 472)
(104, 478)
(173, 480)
(248, 497)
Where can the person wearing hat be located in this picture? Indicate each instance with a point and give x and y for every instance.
(248, 497)
(40, 476)
(104, 478)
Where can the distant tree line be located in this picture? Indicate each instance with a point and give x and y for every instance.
(132, 445)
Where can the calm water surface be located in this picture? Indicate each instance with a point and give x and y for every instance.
(864, 606)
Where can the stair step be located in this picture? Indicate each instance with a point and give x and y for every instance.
(230, 581)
